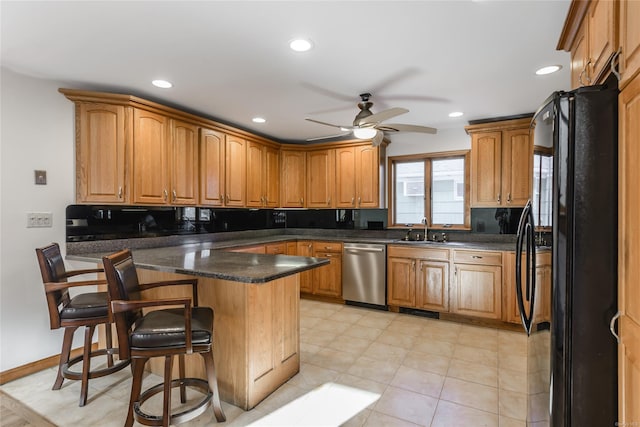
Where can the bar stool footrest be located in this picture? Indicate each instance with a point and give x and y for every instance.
(97, 373)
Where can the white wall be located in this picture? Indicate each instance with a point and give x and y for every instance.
(413, 143)
(37, 132)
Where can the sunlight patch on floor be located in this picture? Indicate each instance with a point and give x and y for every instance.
(330, 404)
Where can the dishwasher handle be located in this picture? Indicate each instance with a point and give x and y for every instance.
(358, 250)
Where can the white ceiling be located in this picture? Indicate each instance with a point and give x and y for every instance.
(230, 60)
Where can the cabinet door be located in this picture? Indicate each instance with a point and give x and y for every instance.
(580, 58)
(401, 285)
(477, 290)
(368, 177)
(629, 40)
(603, 37)
(255, 174)
(327, 280)
(511, 312)
(293, 179)
(150, 158)
(486, 169)
(320, 178)
(235, 172)
(305, 248)
(272, 178)
(346, 177)
(212, 165)
(432, 285)
(517, 167)
(184, 164)
(629, 254)
(103, 136)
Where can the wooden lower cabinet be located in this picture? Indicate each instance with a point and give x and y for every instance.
(305, 248)
(477, 284)
(418, 278)
(510, 312)
(327, 280)
(276, 248)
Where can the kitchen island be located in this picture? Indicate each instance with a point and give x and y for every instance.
(255, 299)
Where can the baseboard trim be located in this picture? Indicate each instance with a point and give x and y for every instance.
(38, 365)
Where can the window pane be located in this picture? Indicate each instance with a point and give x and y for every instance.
(409, 192)
(447, 191)
(542, 189)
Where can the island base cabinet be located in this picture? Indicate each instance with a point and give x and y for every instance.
(256, 334)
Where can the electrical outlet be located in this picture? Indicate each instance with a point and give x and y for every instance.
(39, 219)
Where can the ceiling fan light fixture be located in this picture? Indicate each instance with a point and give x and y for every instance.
(300, 45)
(548, 69)
(364, 133)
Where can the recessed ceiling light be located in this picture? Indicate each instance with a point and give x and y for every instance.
(548, 70)
(456, 114)
(300, 45)
(258, 120)
(162, 84)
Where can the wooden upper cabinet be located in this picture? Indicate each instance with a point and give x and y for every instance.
(320, 178)
(212, 166)
(517, 166)
(235, 172)
(603, 36)
(263, 175)
(486, 169)
(591, 34)
(357, 172)
(501, 163)
(184, 163)
(103, 138)
(629, 40)
(150, 158)
(292, 188)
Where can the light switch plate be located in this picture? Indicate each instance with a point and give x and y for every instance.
(41, 177)
(39, 220)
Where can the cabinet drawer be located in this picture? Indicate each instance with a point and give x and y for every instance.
(327, 247)
(477, 257)
(440, 254)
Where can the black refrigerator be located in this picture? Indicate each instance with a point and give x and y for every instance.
(572, 353)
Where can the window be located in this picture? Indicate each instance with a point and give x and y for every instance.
(542, 188)
(432, 186)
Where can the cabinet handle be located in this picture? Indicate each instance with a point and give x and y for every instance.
(413, 266)
(166, 194)
(359, 201)
(221, 198)
(120, 192)
(329, 201)
(498, 198)
(353, 201)
(582, 73)
(476, 257)
(226, 198)
(175, 195)
(262, 200)
(508, 197)
(302, 200)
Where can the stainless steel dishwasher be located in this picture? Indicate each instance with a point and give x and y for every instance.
(364, 273)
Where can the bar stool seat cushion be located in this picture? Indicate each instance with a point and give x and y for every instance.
(86, 306)
(165, 328)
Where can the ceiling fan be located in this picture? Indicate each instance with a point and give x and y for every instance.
(368, 125)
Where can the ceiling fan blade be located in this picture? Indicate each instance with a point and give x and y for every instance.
(317, 138)
(397, 127)
(329, 124)
(382, 116)
(377, 139)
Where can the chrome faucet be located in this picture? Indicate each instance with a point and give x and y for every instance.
(426, 228)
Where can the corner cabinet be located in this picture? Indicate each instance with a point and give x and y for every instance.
(103, 136)
(501, 163)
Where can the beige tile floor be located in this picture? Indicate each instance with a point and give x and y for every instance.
(426, 372)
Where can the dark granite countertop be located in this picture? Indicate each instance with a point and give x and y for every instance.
(201, 261)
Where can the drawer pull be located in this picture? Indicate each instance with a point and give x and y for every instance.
(476, 257)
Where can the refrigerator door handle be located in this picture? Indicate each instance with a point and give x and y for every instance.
(526, 229)
(612, 326)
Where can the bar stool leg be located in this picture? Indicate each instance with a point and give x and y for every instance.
(166, 407)
(64, 355)
(213, 385)
(109, 339)
(86, 364)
